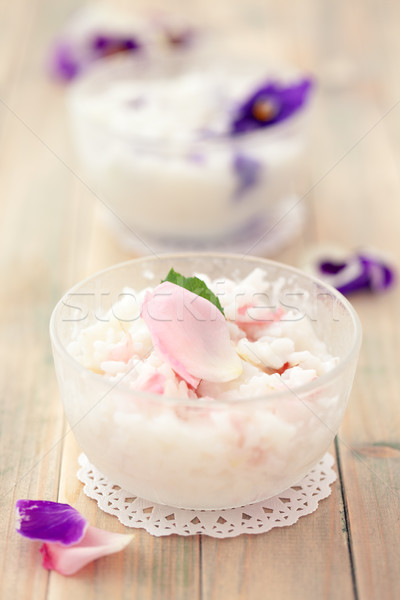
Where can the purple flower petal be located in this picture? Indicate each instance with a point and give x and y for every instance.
(70, 57)
(50, 522)
(63, 63)
(360, 272)
(248, 171)
(331, 268)
(271, 103)
(381, 276)
(104, 45)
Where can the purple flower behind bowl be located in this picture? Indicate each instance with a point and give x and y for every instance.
(271, 103)
(96, 31)
(106, 44)
(64, 63)
(69, 58)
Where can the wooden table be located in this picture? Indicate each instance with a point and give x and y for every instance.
(51, 237)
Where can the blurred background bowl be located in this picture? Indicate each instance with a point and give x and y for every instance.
(167, 187)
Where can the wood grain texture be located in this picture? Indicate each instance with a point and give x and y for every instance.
(358, 206)
(302, 561)
(52, 235)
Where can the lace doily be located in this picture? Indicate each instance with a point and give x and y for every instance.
(159, 520)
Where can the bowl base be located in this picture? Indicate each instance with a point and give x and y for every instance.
(263, 234)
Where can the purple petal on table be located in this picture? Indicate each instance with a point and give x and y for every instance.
(381, 275)
(50, 521)
(272, 103)
(331, 268)
(360, 272)
(247, 170)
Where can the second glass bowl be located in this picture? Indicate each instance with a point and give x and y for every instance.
(168, 187)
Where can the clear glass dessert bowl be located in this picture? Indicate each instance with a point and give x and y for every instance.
(156, 144)
(207, 452)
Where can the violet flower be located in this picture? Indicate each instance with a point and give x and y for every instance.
(70, 542)
(360, 272)
(64, 64)
(97, 30)
(272, 103)
(70, 57)
(104, 45)
(50, 521)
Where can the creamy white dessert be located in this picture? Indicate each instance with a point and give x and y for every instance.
(165, 433)
(156, 142)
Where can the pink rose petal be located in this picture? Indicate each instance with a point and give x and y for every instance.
(191, 334)
(70, 542)
(250, 313)
(123, 351)
(96, 543)
(250, 318)
(154, 384)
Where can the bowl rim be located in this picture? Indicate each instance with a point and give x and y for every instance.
(304, 389)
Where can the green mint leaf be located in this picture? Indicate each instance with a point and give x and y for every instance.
(195, 285)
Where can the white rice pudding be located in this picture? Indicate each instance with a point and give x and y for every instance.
(222, 444)
(155, 143)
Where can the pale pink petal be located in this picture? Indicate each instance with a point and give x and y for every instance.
(191, 334)
(96, 543)
(250, 313)
(242, 310)
(123, 351)
(251, 318)
(154, 384)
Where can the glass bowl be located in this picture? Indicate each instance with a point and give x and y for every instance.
(169, 190)
(205, 454)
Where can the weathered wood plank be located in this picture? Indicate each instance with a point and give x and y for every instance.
(146, 569)
(358, 206)
(39, 218)
(309, 560)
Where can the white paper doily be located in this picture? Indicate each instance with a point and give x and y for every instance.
(159, 520)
